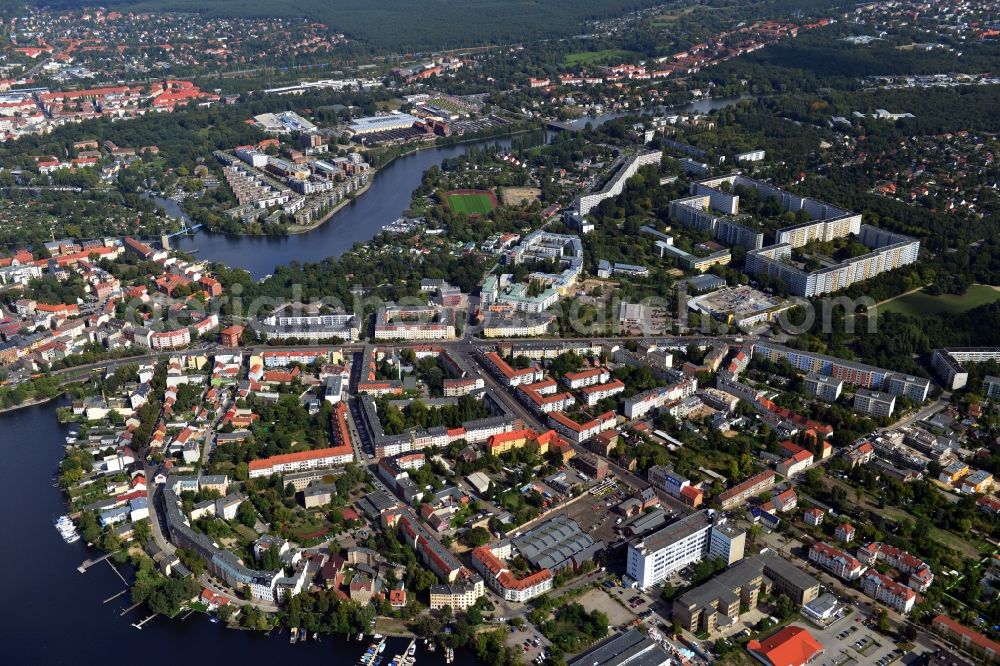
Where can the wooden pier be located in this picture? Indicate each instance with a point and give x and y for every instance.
(139, 625)
(89, 563)
(115, 596)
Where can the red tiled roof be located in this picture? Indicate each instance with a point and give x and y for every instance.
(974, 637)
(791, 646)
(300, 456)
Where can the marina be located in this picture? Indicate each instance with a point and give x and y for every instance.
(33, 443)
(67, 530)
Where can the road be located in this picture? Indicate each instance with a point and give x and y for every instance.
(924, 412)
(466, 344)
(531, 420)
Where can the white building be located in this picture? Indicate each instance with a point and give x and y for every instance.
(654, 558)
(823, 387)
(874, 403)
(837, 562)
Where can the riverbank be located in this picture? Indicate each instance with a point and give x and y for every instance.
(302, 229)
(30, 403)
(93, 609)
(413, 149)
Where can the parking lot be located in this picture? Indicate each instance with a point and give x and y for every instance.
(594, 515)
(600, 600)
(531, 644)
(849, 641)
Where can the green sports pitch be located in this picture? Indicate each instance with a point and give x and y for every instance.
(471, 202)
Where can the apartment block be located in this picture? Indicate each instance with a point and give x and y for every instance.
(973, 642)
(892, 594)
(741, 492)
(823, 387)
(836, 561)
(874, 403)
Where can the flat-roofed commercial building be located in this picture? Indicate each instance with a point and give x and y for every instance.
(653, 558)
(557, 543)
(631, 648)
(788, 579)
(716, 603)
(393, 121)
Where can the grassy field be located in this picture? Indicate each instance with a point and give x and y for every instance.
(594, 57)
(471, 203)
(921, 303)
(667, 19)
(512, 196)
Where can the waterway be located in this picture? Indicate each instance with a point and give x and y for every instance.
(358, 222)
(53, 614)
(385, 201)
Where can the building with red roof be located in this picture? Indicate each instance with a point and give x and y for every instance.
(230, 337)
(791, 646)
(581, 432)
(499, 577)
(920, 575)
(302, 460)
(584, 378)
(973, 642)
(836, 561)
(511, 376)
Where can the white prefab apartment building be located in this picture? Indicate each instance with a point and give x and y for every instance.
(654, 558)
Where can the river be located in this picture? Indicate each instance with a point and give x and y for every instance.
(361, 220)
(56, 615)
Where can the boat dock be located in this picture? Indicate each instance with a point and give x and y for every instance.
(139, 625)
(89, 563)
(129, 609)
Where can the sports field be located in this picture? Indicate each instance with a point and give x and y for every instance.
(921, 303)
(595, 57)
(471, 202)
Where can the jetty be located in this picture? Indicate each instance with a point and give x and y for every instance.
(91, 562)
(140, 624)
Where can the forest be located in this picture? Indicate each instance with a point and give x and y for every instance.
(411, 24)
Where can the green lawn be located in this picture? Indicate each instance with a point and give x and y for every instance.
(921, 303)
(667, 19)
(471, 204)
(592, 57)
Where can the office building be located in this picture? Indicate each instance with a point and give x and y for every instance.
(655, 557)
(717, 603)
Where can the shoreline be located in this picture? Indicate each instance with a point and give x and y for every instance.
(295, 229)
(30, 403)
(374, 172)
